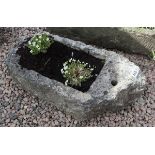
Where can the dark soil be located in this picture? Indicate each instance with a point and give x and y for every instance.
(51, 63)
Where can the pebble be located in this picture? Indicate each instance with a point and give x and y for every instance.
(35, 121)
(56, 122)
(13, 116)
(8, 120)
(75, 122)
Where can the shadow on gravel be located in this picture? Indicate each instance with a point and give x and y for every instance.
(105, 37)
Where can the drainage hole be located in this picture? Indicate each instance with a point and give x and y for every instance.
(114, 82)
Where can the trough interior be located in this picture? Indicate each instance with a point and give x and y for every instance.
(51, 63)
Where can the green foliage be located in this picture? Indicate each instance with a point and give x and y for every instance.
(152, 55)
(39, 44)
(76, 72)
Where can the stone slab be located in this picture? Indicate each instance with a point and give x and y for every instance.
(126, 39)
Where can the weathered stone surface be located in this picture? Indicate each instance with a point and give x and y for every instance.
(119, 83)
(132, 40)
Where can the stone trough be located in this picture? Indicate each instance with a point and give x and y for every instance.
(119, 83)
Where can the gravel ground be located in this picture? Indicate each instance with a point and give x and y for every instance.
(19, 108)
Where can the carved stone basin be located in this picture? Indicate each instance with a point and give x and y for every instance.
(119, 83)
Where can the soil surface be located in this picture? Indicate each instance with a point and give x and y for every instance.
(20, 108)
(50, 64)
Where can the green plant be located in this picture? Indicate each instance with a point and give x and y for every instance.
(39, 44)
(152, 55)
(76, 72)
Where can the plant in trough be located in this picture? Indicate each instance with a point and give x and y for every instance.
(152, 55)
(39, 44)
(75, 72)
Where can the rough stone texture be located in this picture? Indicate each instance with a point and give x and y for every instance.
(101, 96)
(133, 40)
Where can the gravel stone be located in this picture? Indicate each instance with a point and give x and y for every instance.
(75, 122)
(35, 121)
(13, 117)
